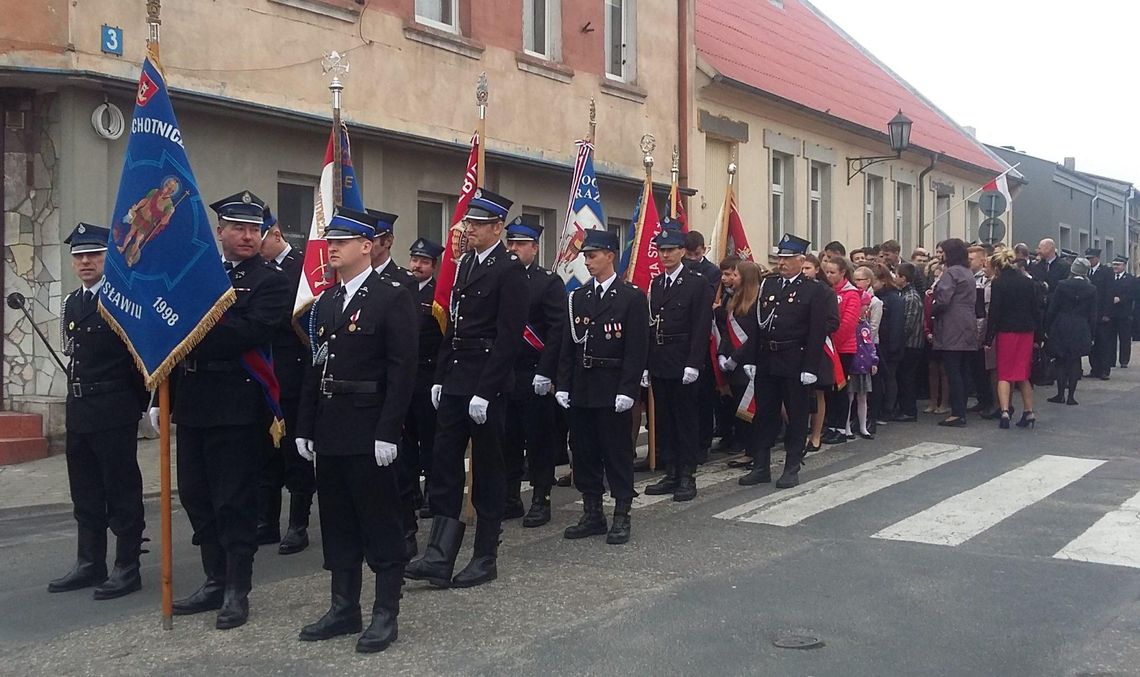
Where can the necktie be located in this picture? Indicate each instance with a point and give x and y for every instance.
(474, 262)
(784, 283)
(88, 299)
(228, 265)
(338, 309)
(668, 282)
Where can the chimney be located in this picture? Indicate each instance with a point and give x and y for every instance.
(1071, 164)
(972, 131)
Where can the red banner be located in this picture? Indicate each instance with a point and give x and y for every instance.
(645, 262)
(456, 242)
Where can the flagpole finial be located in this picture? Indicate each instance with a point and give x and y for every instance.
(732, 168)
(153, 19)
(593, 119)
(676, 159)
(335, 64)
(482, 94)
(648, 144)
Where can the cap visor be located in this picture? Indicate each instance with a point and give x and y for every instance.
(88, 248)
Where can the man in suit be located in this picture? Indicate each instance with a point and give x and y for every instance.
(419, 428)
(680, 310)
(532, 412)
(707, 399)
(605, 345)
(1120, 313)
(105, 397)
(1101, 357)
(1049, 267)
(382, 252)
(794, 316)
(222, 417)
(473, 377)
(283, 467)
(353, 406)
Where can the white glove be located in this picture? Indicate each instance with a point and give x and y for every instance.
(726, 363)
(152, 414)
(645, 379)
(305, 448)
(385, 453)
(750, 370)
(563, 399)
(623, 403)
(690, 376)
(542, 385)
(477, 410)
(436, 392)
(807, 379)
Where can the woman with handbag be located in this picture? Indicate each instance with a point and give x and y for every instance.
(1070, 324)
(1013, 325)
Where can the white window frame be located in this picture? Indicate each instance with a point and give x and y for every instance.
(904, 215)
(628, 40)
(447, 206)
(1065, 237)
(973, 219)
(777, 191)
(872, 209)
(434, 23)
(1109, 249)
(1083, 240)
(815, 203)
(553, 30)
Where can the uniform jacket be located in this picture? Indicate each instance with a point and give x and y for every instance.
(1071, 320)
(394, 272)
(488, 304)
(791, 325)
(290, 355)
(613, 328)
(1102, 280)
(1051, 275)
(98, 355)
(1122, 289)
(546, 313)
(370, 343)
(681, 320)
(430, 337)
(953, 308)
(210, 387)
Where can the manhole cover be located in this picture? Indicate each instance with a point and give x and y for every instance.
(793, 641)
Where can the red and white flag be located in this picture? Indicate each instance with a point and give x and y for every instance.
(1001, 185)
(456, 242)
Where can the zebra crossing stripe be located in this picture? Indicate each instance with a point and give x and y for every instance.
(791, 506)
(963, 516)
(1114, 539)
(706, 476)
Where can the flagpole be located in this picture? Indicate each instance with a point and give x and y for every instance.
(335, 63)
(647, 195)
(482, 96)
(674, 197)
(722, 242)
(593, 121)
(154, 22)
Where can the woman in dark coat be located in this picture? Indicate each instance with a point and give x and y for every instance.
(955, 324)
(1014, 326)
(1069, 326)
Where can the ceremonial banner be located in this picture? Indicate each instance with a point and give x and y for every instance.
(644, 259)
(165, 286)
(456, 242)
(731, 228)
(316, 273)
(584, 212)
(677, 208)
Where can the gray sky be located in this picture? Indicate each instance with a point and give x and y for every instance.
(1051, 78)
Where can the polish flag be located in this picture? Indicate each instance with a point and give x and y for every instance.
(1001, 185)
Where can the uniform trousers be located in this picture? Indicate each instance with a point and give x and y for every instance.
(454, 428)
(677, 420)
(772, 392)
(284, 467)
(218, 470)
(360, 512)
(1101, 357)
(1121, 332)
(603, 449)
(532, 431)
(106, 485)
(419, 437)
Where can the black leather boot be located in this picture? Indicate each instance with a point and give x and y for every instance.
(425, 511)
(90, 563)
(788, 479)
(760, 474)
(124, 578)
(239, 582)
(411, 548)
(343, 616)
(592, 522)
(539, 513)
(667, 484)
(483, 567)
(687, 484)
(513, 509)
(297, 535)
(208, 597)
(383, 630)
(269, 519)
(438, 562)
(619, 532)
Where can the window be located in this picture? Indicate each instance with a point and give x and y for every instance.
(941, 217)
(621, 44)
(819, 203)
(1065, 238)
(1109, 249)
(295, 209)
(542, 28)
(548, 243)
(973, 220)
(441, 14)
(1084, 242)
(904, 216)
(431, 217)
(782, 189)
(873, 210)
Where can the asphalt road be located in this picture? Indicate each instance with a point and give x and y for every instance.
(928, 551)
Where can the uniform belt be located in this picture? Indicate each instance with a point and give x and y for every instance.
(591, 362)
(191, 366)
(331, 387)
(662, 339)
(79, 389)
(472, 343)
(777, 346)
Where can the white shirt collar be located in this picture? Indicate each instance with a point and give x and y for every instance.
(606, 284)
(673, 275)
(380, 268)
(351, 286)
(482, 256)
(94, 289)
(786, 281)
(284, 252)
(425, 283)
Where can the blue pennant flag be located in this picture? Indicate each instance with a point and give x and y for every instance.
(583, 213)
(165, 286)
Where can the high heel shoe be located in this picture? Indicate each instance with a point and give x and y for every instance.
(1026, 420)
(1003, 422)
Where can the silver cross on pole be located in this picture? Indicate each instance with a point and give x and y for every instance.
(336, 64)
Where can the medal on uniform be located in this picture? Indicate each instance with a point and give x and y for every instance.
(71, 326)
(352, 320)
(608, 328)
(585, 320)
(617, 330)
(321, 331)
(322, 355)
(772, 298)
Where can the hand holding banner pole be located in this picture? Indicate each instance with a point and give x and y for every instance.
(482, 96)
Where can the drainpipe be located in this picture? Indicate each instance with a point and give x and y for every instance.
(682, 92)
(1092, 213)
(922, 200)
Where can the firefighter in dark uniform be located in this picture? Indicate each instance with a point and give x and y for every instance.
(382, 259)
(1120, 313)
(353, 406)
(105, 399)
(604, 350)
(474, 374)
(223, 417)
(783, 353)
(708, 400)
(283, 467)
(532, 413)
(419, 428)
(1100, 357)
(680, 312)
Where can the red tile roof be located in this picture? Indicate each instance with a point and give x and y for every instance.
(796, 54)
